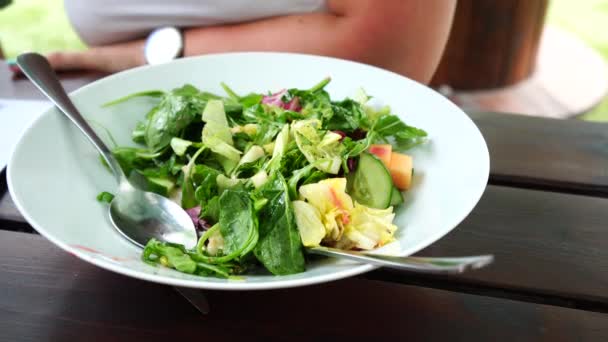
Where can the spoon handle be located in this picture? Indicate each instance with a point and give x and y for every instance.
(39, 71)
(416, 264)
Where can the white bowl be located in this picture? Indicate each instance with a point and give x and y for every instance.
(54, 173)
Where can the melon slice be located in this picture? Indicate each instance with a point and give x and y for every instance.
(401, 170)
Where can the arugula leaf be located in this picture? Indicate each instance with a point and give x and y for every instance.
(160, 185)
(279, 247)
(230, 92)
(204, 180)
(348, 115)
(175, 256)
(315, 177)
(250, 100)
(105, 196)
(139, 133)
(247, 170)
(280, 147)
(235, 105)
(353, 148)
(147, 93)
(292, 160)
(164, 169)
(266, 133)
(132, 158)
(188, 190)
(241, 140)
(298, 175)
(390, 126)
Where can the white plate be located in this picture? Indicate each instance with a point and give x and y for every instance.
(54, 173)
(15, 116)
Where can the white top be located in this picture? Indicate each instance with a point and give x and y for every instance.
(103, 22)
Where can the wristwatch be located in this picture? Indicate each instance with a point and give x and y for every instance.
(164, 45)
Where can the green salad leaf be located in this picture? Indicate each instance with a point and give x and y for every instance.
(105, 197)
(238, 223)
(279, 248)
(176, 110)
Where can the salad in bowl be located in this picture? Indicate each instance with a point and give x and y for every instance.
(264, 176)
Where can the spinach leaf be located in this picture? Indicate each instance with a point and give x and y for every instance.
(279, 247)
(204, 180)
(238, 223)
(210, 211)
(176, 110)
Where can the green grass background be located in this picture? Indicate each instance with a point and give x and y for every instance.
(42, 26)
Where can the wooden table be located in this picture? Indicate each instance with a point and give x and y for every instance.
(544, 215)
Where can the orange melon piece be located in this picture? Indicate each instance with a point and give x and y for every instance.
(383, 152)
(401, 170)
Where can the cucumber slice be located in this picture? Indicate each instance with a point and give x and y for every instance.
(371, 184)
(396, 197)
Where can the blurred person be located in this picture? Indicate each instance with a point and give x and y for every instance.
(404, 36)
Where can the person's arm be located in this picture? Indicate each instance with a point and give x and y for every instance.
(405, 36)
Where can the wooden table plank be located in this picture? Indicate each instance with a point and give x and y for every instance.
(551, 154)
(546, 245)
(48, 294)
(549, 248)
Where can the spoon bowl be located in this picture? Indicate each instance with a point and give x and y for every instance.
(140, 216)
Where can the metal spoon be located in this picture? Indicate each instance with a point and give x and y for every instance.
(138, 215)
(416, 264)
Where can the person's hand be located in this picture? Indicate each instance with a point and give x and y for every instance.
(110, 58)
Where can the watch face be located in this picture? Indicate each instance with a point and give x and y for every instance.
(163, 45)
